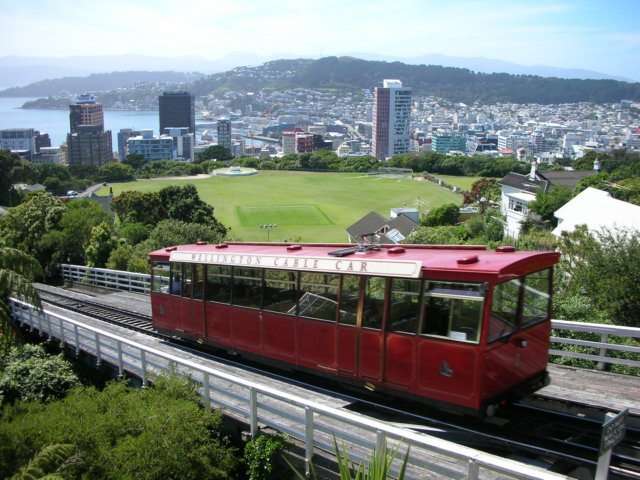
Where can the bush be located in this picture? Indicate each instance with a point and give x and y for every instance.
(123, 432)
(262, 458)
(30, 374)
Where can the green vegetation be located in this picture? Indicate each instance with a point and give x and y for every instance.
(262, 457)
(120, 432)
(334, 200)
(455, 84)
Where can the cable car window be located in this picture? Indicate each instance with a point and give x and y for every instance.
(318, 295)
(404, 310)
(536, 297)
(198, 281)
(247, 287)
(176, 278)
(373, 302)
(186, 279)
(504, 309)
(161, 277)
(454, 311)
(280, 291)
(218, 284)
(349, 298)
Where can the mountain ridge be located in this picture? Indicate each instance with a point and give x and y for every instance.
(21, 71)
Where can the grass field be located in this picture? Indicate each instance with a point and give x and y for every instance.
(306, 207)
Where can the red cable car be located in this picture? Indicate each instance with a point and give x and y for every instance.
(458, 327)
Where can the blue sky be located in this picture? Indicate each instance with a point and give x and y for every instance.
(591, 34)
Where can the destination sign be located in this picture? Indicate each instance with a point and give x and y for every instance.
(388, 268)
(613, 431)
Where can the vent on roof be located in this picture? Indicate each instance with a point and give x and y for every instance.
(294, 247)
(202, 242)
(469, 259)
(395, 250)
(506, 249)
(170, 249)
(222, 245)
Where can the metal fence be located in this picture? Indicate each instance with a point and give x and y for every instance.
(312, 424)
(103, 277)
(609, 334)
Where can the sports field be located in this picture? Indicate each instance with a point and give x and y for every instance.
(306, 207)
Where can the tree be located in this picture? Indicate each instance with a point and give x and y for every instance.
(116, 172)
(445, 235)
(139, 207)
(184, 204)
(25, 225)
(17, 271)
(446, 214)
(215, 152)
(175, 232)
(14, 169)
(67, 243)
(101, 243)
(123, 432)
(135, 161)
(484, 190)
(28, 373)
(547, 203)
(605, 267)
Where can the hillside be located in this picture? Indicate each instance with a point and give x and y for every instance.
(455, 84)
(97, 82)
(346, 74)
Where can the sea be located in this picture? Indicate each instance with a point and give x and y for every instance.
(56, 122)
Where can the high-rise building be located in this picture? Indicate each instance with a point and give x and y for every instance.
(183, 142)
(86, 111)
(391, 119)
(89, 146)
(88, 143)
(123, 135)
(449, 141)
(224, 133)
(177, 109)
(19, 139)
(152, 148)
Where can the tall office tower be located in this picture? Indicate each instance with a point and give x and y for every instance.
(177, 109)
(86, 111)
(391, 119)
(224, 133)
(88, 143)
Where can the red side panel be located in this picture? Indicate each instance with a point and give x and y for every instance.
(279, 336)
(246, 329)
(184, 311)
(520, 358)
(317, 344)
(219, 323)
(448, 371)
(400, 360)
(347, 347)
(370, 354)
(162, 310)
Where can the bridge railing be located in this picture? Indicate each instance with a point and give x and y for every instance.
(601, 347)
(310, 423)
(104, 277)
(599, 351)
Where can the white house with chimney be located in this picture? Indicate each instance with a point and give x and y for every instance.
(518, 191)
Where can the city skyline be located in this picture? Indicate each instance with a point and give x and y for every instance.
(576, 34)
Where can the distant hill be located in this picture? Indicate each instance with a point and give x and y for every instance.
(97, 82)
(345, 74)
(454, 84)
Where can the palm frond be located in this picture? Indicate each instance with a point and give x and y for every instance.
(20, 262)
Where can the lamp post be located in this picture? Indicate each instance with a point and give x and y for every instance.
(268, 228)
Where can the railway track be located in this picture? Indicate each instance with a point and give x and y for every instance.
(560, 441)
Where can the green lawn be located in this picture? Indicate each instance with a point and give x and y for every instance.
(306, 207)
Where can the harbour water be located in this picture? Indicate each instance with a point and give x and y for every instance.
(56, 122)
